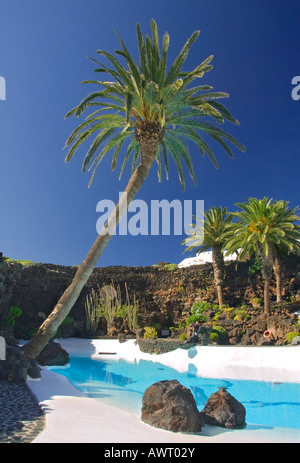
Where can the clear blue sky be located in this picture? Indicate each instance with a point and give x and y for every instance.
(48, 213)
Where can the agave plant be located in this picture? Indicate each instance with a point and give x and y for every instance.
(210, 234)
(146, 111)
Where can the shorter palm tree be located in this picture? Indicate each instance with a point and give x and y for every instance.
(210, 234)
(263, 227)
(291, 242)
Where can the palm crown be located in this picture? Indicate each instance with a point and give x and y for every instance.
(265, 223)
(210, 232)
(150, 101)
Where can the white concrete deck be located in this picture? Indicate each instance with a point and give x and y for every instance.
(73, 418)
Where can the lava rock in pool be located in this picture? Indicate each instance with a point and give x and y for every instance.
(223, 410)
(171, 406)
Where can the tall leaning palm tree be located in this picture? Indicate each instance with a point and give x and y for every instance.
(263, 226)
(210, 234)
(148, 111)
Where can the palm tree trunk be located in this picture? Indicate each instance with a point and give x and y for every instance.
(219, 272)
(50, 326)
(278, 275)
(267, 300)
(267, 261)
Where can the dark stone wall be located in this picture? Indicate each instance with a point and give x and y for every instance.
(164, 296)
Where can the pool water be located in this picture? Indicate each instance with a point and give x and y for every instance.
(122, 384)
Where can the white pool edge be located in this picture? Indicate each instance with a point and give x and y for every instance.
(71, 417)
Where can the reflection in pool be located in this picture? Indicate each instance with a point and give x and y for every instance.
(122, 384)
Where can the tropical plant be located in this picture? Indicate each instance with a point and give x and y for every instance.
(255, 301)
(218, 334)
(146, 110)
(207, 234)
(262, 226)
(93, 309)
(291, 335)
(150, 332)
(130, 312)
(241, 315)
(111, 305)
(281, 251)
(199, 307)
(14, 312)
(192, 319)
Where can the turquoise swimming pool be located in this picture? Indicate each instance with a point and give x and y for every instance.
(122, 384)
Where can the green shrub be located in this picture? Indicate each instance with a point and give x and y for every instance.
(254, 268)
(216, 316)
(221, 332)
(180, 288)
(183, 337)
(150, 333)
(230, 311)
(32, 332)
(241, 315)
(256, 301)
(25, 262)
(171, 266)
(291, 335)
(214, 337)
(157, 326)
(14, 312)
(196, 318)
(22, 262)
(199, 307)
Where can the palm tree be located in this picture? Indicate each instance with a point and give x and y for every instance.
(290, 242)
(147, 109)
(210, 234)
(262, 227)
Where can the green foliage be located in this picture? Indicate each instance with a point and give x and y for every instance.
(32, 332)
(210, 232)
(157, 326)
(199, 307)
(22, 262)
(14, 312)
(136, 95)
(221, 332)
(150, 333)
(256, 301)
(171, 267)
(214, 337)
(291, 335)
(230, 311)
(180, 289)
(196, 318)
(241, 315)
(262, 227)
(255, 267)
(183, 337)
(216, 317)
(107, 303)
(93, 309)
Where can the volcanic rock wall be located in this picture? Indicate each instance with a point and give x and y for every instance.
(164, 295)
